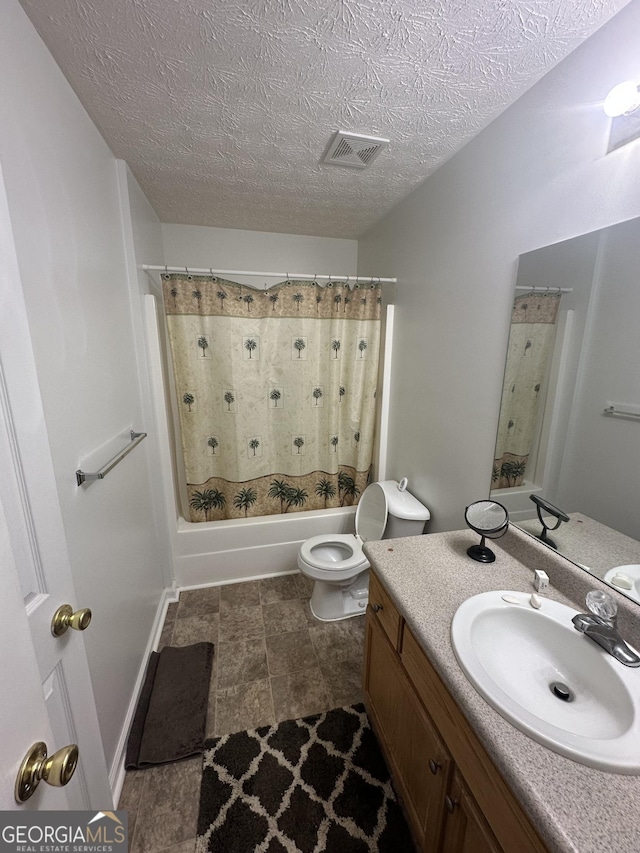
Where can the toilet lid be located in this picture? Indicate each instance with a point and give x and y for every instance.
(371, 514)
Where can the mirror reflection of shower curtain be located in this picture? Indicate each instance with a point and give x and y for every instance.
(533, 327)
(276, 392)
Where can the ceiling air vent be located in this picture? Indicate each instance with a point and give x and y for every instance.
(354, 150)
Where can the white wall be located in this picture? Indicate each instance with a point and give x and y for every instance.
(601, 473)
(228, 248)
(142, 235)
(536, 175)
(65, 207)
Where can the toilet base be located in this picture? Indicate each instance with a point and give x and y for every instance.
(331, 602)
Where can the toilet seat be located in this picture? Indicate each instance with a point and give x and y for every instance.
(355, 562)
(315, 557)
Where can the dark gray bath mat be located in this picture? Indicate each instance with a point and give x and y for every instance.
(315, 784)
(171, 715)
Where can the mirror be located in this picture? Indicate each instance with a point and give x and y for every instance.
(490, 520)
(578, 447)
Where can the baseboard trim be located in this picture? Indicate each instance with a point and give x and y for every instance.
(240, 578)
(116, 774)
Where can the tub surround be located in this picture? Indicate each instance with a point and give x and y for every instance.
(573, 807)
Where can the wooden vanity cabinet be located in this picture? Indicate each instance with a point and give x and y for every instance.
(452, 795)
(465, 829)
(409, 739)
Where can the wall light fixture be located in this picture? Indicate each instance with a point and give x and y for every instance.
(623, 99)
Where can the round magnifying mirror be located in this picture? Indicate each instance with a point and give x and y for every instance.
(489, 519)
(543, 506)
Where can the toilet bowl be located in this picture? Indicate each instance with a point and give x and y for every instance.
(336, 562)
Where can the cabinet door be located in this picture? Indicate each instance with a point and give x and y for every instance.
(465, 829)
(419, 763)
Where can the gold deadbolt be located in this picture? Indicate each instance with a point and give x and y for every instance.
(36, 767)
(64, 618)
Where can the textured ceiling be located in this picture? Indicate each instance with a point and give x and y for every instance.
(223, 108)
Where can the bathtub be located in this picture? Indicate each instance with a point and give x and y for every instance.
(243, 548)
(236, 549)
(517, 501)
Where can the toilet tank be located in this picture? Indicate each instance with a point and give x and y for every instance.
(406, 515)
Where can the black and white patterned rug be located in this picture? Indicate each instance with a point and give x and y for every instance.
(314, 785)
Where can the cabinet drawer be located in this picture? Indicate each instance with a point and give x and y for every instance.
(385, 610)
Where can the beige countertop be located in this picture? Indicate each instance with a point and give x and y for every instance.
(590, 543)
(575, 808)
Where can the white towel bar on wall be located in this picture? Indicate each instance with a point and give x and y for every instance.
(615, 411)
(83, 476)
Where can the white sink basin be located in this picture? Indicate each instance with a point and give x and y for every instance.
(513, 653)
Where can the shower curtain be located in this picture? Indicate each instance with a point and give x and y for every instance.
(533, 326)
(276, 392)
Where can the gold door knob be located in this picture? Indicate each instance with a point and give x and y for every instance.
(64, 618)
(37, 767)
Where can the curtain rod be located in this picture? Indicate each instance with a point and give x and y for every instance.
(549, 290)
(285, 275)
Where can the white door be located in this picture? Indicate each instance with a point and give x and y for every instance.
(23, 712)
(45, 686)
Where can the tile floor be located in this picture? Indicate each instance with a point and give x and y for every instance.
(273, 661)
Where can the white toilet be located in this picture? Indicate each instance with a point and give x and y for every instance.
(336, 561)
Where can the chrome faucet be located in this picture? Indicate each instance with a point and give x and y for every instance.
(600, 626)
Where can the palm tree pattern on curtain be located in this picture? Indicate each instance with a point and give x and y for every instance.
(533, 327)
(275, 391)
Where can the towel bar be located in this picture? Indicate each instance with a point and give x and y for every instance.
(615, 412)
(83, 476)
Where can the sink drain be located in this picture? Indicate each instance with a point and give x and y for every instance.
(562, 692)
